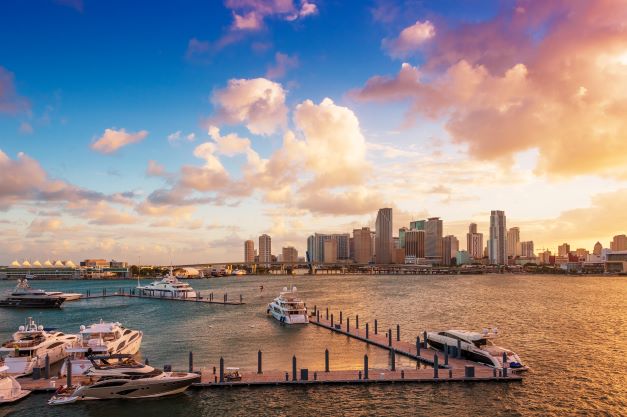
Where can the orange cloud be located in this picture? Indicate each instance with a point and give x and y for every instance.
(410, 39)
(112, 140)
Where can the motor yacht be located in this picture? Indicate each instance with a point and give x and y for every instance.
(477, 347)
(118, 376)
(170, 286)
(31, 344)
(24, 296)
(69, 296)
(101, 338)
(288, 308)
(10, 389)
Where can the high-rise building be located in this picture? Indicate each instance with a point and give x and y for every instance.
(330, 251)
(417, 225)
(598, 248)
(563, 249)
(463, 257)
(265, 249)
(415, 243)
(363, 245)
(618, 243)
(526, 249)
(290, 254)
(249, 251)
(474, 242)
(513, 242)
(315, 246)
(433, 239)
(450, 246)
(384, 241)
(401, 236)
(497, 244)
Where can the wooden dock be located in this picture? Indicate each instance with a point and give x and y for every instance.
(132, 293)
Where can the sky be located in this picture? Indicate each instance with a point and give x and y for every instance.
(173, 131)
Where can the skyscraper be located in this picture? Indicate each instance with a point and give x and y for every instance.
(401, 236)
(265, 249)
(249, 251)
(433, 239)
(383, 240)
(363, 245)
(513, 242)
(526, 249)
(597, 248)
(415, 243)
(619, 243)
(474, 242)
(450, 246)
(290, 254)
(417, 225)
(563, 250)
(497, 244)
(330, 251)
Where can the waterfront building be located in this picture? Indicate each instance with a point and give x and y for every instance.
(415, 243)
(401, 236)
(249, 251)
(474, 242)
(316, 248)
(384, 242)
(545, 257)
(581, 254)
(513, 242)
(265, 249)
(93, 263)
(463, 257)
(563, 249)
(598, 247)
(398, 256)
(289, 254)
(417, 225)
(433, 239)
(362, 242)
(330, 251)
(618, 243)
(450, 246)
(497, 243)
(526, 249)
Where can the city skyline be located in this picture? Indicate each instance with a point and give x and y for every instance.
(179, 141)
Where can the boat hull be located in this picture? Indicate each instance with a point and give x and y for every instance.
(32, 302)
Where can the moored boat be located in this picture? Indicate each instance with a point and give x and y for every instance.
(24, 296)
(169, 287)
(288, 308)
(10, 390)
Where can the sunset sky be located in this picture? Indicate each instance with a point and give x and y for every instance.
(175, 130)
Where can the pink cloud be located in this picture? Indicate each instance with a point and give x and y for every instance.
(410, 39)
(112, 140)
(283, 63)
(10, 101)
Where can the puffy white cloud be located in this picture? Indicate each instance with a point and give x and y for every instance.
(229, 145)
(112, 140)
(410, 39)
(258, 103)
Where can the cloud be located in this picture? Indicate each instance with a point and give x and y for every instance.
(283, 63)
(249, 15)
(352, 202)
(501, 88)
(410, 39)
(258, 103)
(112, 140)
(229, 145)
(39, 226)
(155, 169)
(176, 137)
(10, 102)
(26, 128)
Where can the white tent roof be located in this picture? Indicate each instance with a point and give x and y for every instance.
(48, 263)
(26, 263)
(15, 264)
(58, 263)
(36, 263)
(70, 264)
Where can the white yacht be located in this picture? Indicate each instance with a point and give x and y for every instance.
(477, 347)
(25, 296)
(101, 338)
(31, 344)
(68, 296)
(170, 286)
(288, 308)
(124, 379)
(238, 272)
(10, 389)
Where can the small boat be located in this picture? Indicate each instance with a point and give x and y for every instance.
(238, 272)
(24, 296)
(10, 390)
(478, 347)
(123, 379)
(168, 287)
(31, 344)
(232, 374)
(101, 338)
(288, 308)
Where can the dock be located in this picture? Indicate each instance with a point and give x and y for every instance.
(131, 292)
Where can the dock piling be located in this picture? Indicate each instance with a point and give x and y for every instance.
(446, 354)
(340, 317)
(331, 319)
(146, 361)
(398, 332)
(36, 374)
(435, 366)
(294, 368)
(459, 349)
(318, 316)
(389, 337)
(69, 372)
(47, 367)
(326, 360)
(357, 321)
(259, 369)
(365, 366)
(504, 359)
(425, 339)
(367, 329)
(376, 327)
(348, 324)
(417, 345)
(327, 313)
(393, 360)
(221, 369)
(191, 361)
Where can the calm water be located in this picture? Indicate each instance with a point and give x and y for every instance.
(570, 330)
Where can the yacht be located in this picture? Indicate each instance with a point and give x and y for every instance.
(10, 389)
(69, 296)
(25, 296)
(238, 272)
(101, 338)
(170, 286)
(477, 347)
(288, 308)
(123, 379)
(31, 344)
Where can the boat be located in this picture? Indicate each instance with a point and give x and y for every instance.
(170, 286)
(238, 272)
(10, 390)
(30, 345)
(477, 347)
(288, 308)
(120, 377)
(101, 338)
(69, 296)
(25, 296)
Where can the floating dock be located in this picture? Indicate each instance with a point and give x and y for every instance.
(133, 293)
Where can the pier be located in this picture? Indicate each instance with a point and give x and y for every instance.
(131, 292)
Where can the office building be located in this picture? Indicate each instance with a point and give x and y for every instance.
(597, 248)
(316, 248)
(384, 242)
(362, 243)
(417, 225)
(415, 243)
(618, 243)
(513, 242)
(526, 249)
(497, 243)
(265, 249)
(330, 251)
(401, 236)
(450, 246)
(289, 254)
(474, 242)
(433, 239)
(563, 249)
(249, 251)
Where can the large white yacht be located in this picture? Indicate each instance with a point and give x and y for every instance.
(477, 347)
(10, 389)
(101, 338)
(170, 286)
(288, 308)
(31, 344)
(124, 379)
(25, 296)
